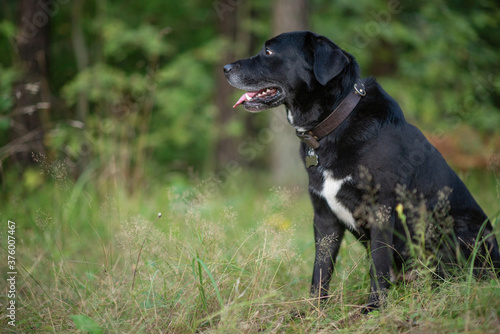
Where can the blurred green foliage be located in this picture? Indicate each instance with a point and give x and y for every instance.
(150, 75)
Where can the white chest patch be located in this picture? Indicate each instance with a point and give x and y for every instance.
(289, 116)
(331, 187)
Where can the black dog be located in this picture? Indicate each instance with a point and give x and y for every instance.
(363, 160)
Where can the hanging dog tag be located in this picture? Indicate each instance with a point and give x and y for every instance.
(312, 158)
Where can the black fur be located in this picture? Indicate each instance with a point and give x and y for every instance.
(375, 150)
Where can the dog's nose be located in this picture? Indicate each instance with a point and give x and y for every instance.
(231, 67)
(228, 68)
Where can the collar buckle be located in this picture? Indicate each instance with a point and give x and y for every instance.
(308, 138)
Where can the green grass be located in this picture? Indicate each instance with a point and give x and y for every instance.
(236, 259)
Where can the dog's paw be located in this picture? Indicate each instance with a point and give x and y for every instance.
(370, 307)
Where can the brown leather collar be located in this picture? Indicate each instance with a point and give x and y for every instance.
(333, 120)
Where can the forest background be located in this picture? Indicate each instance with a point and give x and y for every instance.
(112, 111)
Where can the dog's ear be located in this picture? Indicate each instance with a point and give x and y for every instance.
(329, 60)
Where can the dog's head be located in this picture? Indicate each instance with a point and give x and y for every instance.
(296, 69)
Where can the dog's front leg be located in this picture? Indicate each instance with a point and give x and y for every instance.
(381, 252)
(328, 234)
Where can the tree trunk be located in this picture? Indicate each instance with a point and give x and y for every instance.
(32, 96)
(288, 15)
(225, 148)
(81, 55)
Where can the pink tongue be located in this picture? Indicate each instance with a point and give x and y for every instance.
(243, 98)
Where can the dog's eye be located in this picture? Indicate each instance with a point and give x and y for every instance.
(268, 52)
